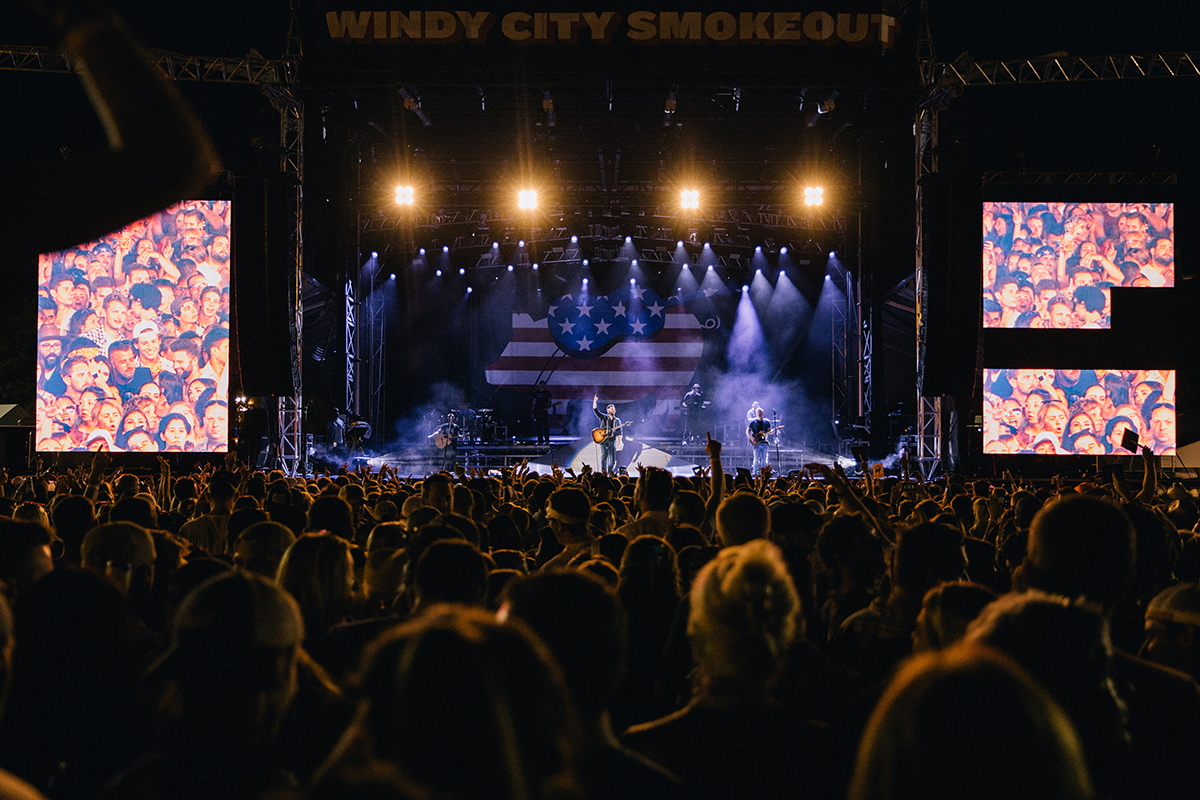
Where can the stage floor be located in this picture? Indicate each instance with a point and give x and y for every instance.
(679, 458)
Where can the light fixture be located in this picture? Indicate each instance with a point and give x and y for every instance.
(689, 198)
(462, 271)
(438, 273)
(521, 243)
(527, 198)
(445, 248)
(470, 289)
(404, 195)
(374, 254)
(813, 195)
(783, 251)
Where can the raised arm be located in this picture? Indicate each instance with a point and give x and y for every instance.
(157, 151)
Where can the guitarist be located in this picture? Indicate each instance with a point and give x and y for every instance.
(608, 423)
(757, 431)
(541, 413)
(450, 431)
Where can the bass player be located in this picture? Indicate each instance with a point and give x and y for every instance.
(757, 431)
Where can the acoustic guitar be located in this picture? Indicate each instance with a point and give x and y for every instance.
(599, 436)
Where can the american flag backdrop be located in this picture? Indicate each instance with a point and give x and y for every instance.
(622, 346)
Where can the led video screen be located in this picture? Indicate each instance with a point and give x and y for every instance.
(1077, 411)
(133, 337)
(1053, 265)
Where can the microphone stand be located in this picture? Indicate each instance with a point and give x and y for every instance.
(774, 426)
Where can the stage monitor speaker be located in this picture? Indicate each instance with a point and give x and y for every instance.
(951, 248)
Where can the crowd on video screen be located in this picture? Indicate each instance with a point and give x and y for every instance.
(133, 337)
(1077, 411)
(1053, 265)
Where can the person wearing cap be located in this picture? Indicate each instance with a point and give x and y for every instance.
(148, 340)
(50, 347)
(567, 513)
(231, 671)
(1172, 623)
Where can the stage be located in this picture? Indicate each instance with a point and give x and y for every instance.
(681, 459)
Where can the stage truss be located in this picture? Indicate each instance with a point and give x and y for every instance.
(941, 82)
(277, 79)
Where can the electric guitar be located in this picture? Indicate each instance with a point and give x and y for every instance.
(761, 438)
(599, 436)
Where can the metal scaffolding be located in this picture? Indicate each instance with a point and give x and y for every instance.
(277, 78)
(943, 80)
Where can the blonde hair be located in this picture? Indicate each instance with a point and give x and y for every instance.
(743, 613)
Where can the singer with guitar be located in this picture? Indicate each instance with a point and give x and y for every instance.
(757, 431)
(608, 436)
(446, 439)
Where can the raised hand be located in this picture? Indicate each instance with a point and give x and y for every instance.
(712, 447)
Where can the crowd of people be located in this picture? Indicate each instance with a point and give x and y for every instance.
(1053, 265)
(133, 337)
(1078, 411)
(229, 632)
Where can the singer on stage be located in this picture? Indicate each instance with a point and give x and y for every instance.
(757, 431)
(609, 423)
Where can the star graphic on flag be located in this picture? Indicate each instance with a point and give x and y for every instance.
(637, 326)
(584, 309)
(567, 327)
(550, 312)
(656, 309)
(602, 327)
(636, 291)
(585, 343)
(620, 309)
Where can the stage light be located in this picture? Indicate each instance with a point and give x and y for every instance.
(392, 277)
(585, 281)
(495, 245)
(628, 240)
(833, 253)
(758, 248)
(745, 288)
(520, 243)
(758, 271)
(828, 277)
(404, 195)
(814, 195)
(445, 248)
(633, 263)
(374, 254)
(574, 240)
(706, 246)
(783, 251)
(585, 262)
(510, 267)
(438, 273)
(689, 198)
(462, 271)
(422, 251)
(470, 289)
(527, 198)
(535, 266)
(679, 243)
